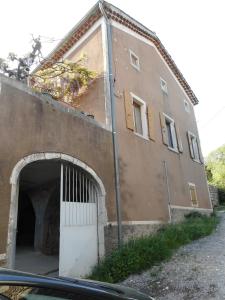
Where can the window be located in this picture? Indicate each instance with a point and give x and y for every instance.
(134, 60)
(139, 116)
(193, 145)
(186, 106)
(163, 85)
(171, 133)
(193, 194)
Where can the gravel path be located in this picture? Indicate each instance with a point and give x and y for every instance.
(196, 271)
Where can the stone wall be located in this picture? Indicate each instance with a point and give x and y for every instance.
(2, 260)
(2, 263)
(134, 230)
(129, 232)
(178, 215)
(213, 193)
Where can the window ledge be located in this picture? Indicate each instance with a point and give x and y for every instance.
(141, 136)
(173, 150)
(195, 206)
(135, 67)
(197, 161)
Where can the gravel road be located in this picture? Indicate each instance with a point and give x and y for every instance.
(196, 271)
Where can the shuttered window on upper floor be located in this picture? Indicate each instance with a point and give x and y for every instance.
(170, 133)
(139, 116)
(194, 147)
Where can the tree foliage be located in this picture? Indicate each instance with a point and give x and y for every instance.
(215, 167)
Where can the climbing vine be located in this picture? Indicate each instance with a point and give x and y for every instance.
(63, 80)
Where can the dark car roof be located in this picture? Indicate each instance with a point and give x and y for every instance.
(80, 285)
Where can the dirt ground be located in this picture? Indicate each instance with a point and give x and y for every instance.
(196, 271)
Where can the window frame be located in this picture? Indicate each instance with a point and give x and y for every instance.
(191, 184)
(186, 106)
(144, 123)
(193, 136)
(136, 66)
(163, 85)
(173, 133)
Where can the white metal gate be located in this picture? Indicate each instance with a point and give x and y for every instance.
(78, 251)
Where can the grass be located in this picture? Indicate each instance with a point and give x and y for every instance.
(141, 254)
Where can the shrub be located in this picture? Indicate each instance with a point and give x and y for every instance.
(140, 254)
(194, 214)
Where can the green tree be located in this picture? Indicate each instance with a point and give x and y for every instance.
(215, 167)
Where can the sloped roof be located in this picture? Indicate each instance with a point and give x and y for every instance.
(121, 17)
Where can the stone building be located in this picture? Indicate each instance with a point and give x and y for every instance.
(72, 187)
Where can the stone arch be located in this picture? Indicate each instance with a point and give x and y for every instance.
(14, 181)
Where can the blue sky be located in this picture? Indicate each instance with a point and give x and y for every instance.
(192, 31)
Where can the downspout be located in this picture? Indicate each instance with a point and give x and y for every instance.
(113, 117)
(168, 191)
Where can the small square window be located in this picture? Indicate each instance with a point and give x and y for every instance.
(163, 85)
(186, 106)
(134, 60)
(193, 194)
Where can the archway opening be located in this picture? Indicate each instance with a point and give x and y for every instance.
(37, 241)
(66, 215)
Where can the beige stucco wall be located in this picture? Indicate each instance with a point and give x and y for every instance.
(92, 102)
(31, 123)
(143, 184)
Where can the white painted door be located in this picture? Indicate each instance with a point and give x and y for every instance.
(78, 252)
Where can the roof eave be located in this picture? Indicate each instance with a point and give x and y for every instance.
(118, 15)
(91, 12)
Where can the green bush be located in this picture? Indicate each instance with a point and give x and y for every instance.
(193, 214)
(142, 253)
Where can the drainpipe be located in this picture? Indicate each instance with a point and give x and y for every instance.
(168, 191)
(113, 117)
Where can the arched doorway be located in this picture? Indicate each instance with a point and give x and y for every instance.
(37, 244)
(48, 180)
